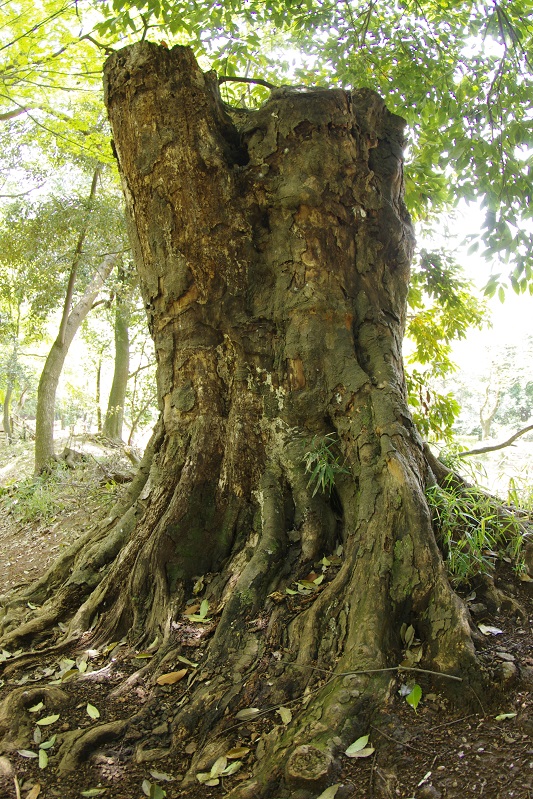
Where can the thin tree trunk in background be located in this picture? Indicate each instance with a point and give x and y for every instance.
(8, 431)
(77, 257)
(136, 420)
(489, 408)
(12, 368)
(97, 395)
(46, 393)
(114, 418)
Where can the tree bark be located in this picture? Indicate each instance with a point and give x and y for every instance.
(8, 430)
(46, 393)
(114, 418)
(98, 392)
(11, 377)
(273, 249)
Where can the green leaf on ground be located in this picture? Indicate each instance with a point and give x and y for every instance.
(218, 766)
(357, 745)
(48, 720)
(232, 768)
(49, 743)
(27, 753)
(330, 792)
(153, 791)
(205, 778)
(285, 713)
(237, 752)
(160, 775)
(359, 748)
(92, 711)
(247, 713)
(187, 661)
(414, 697)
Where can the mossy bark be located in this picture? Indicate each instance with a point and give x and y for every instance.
(273, 249)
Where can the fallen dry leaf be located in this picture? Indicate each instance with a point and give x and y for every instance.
(237, 752)
(172, 677)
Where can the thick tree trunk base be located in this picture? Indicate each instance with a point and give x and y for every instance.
(274, 260)
(330, 656)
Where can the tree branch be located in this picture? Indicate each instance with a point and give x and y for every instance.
(140, 368)
(237, 79)
(107, 50)
(481, 450)
(12, 114)
(22, 193)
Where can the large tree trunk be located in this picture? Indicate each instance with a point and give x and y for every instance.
(273, 249)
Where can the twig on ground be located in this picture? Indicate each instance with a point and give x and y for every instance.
(400, 743)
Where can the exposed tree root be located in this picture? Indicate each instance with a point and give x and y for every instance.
(16, 724)
(79, 745)
(26, 659)
(327, 655)
(77, 571)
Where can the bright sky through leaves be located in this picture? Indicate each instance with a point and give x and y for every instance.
(459, 72)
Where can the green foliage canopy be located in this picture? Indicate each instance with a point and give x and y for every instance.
(442, 309)
(459, 72)
(50, 79)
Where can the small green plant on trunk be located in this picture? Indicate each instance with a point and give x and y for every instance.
(322, 463)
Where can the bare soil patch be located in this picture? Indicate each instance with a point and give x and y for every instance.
(39, 517)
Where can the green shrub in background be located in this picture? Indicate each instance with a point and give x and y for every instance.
(473, 531)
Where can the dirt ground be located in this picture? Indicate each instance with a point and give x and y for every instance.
(439, 751)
